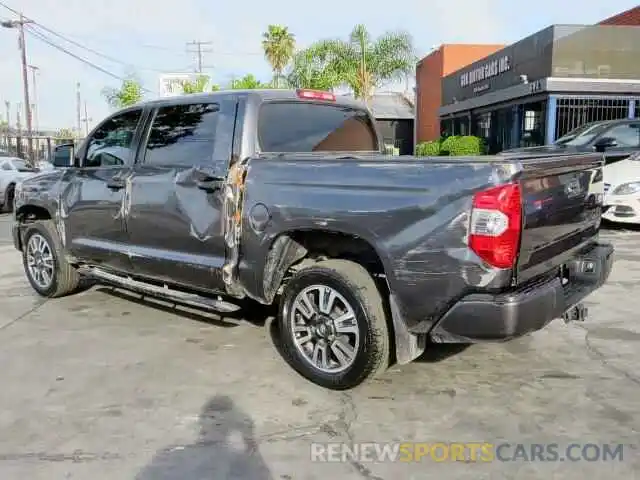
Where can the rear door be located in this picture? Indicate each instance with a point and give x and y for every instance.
(561, 210)
(174, 218)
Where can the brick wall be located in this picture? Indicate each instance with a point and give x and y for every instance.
(429, 72)
(630, 17)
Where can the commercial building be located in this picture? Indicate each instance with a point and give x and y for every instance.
(543, 86)
(457, 86)
(441, 62)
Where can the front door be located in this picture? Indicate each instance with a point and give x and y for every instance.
(175, 219)
(92, 199)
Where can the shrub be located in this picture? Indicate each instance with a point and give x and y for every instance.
(428, 149)
(467, 145)
(448, 144)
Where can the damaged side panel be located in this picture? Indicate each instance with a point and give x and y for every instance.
(412, 213)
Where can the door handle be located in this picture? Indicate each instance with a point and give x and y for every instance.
(210, 184)
(115, 183)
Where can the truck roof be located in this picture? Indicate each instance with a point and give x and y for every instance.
(261, 94)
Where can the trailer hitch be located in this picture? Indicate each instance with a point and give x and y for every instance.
(577, 313)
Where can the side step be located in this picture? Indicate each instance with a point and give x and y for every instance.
(176, 296)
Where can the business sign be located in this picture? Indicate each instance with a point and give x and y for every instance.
(171, 84)
(490, 69)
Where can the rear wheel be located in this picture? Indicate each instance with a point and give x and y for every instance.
(333, 326)
(46, 268)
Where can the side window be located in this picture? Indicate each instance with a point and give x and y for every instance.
(182, 135)
(111, 144)
(626, 135)
(6, 166)
(312, 127)
(61, 157)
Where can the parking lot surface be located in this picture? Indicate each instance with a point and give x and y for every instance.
(106, 385)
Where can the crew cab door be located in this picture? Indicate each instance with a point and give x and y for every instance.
(175, 219)
(93, 194)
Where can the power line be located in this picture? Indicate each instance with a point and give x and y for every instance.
(78, 44)
(199, 51)
(49, 42)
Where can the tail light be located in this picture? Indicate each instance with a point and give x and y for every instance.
(496, 223)
(316, 95)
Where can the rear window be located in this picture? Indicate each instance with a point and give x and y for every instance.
(313, 127)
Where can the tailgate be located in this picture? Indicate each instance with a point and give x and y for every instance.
(561, 210)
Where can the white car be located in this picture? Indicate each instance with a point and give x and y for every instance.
(622, 190)
(12, 171)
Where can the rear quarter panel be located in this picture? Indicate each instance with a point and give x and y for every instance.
(414, 213)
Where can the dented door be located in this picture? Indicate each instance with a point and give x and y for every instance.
(175, 216)
(93, 197)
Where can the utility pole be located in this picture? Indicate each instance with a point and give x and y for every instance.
(86, 120)
(34, 109)
(78, 119)
(199, 50)
(7, 108)
(19, 24)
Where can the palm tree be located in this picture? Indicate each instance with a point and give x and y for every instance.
(278, 45)
(311, 68)
(364, 64)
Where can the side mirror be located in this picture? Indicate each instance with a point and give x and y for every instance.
(605, 142)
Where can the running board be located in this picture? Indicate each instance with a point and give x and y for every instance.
(187, 299)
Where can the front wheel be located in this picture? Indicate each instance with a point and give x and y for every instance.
(333, 326)
(47, 270)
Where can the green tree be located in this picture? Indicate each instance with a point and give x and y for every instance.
(311, 68)
(278, 45)
(364, 64)
(128, 94)
(198, 85)
(248, 82)
(215, 87)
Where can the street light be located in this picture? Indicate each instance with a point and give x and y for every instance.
(19, 24)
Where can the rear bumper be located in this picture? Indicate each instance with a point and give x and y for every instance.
(484, 317)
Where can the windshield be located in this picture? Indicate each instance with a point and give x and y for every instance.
(581, 135)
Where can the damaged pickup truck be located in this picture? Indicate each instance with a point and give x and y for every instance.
(285, 197)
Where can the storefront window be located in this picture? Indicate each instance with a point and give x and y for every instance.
(533, 133)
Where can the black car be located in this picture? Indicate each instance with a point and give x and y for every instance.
(617, 139)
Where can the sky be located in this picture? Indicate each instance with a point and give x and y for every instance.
(147, 37)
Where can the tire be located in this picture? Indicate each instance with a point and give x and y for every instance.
(8, 198)
(64, 278)
(350, 286)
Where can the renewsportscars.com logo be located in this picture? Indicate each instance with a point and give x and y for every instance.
(466, 452)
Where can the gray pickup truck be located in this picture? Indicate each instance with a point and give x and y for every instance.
(285, 197)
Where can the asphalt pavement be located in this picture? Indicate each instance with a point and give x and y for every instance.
(106, 385)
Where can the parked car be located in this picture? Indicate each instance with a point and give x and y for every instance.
(12, 171)
(622, 187)
(616, 139)
(286, 198)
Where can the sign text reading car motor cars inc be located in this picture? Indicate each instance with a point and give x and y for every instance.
(486, 71)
